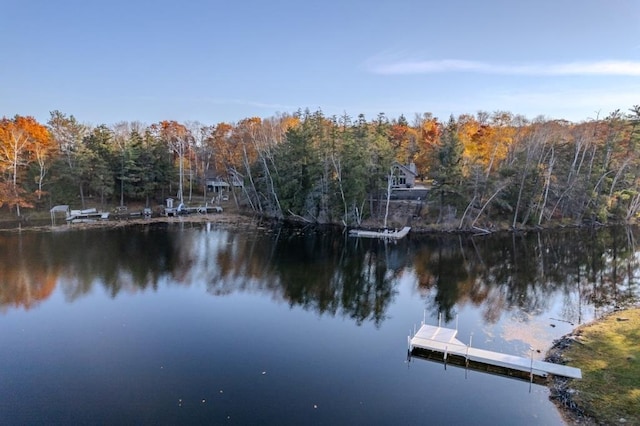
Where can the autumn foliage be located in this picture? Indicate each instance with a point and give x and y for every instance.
(22, 141)
(479, 169)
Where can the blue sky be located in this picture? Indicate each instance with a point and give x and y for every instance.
(214, 61)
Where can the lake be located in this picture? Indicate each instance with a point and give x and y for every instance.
(185, 323)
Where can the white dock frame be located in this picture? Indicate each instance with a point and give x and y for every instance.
(443, 340)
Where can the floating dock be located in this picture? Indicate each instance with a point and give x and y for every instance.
(441, 340)
(386, 234)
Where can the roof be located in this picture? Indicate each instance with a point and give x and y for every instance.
(405, 169)
(216, 182)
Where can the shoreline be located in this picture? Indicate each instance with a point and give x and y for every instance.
(42, 221)
(562, 391)
(232, 219)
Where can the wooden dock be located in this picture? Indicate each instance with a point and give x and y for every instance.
(443, 341)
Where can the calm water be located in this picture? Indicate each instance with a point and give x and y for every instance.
(194, 324)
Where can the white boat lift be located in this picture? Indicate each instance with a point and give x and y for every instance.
(86, 215)
(441, 340)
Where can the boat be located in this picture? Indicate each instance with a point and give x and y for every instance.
(86, 215)
(209, 209)
(385, 234)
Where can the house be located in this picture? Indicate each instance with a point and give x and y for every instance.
(403, 176)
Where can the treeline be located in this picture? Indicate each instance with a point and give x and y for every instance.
(483, 170)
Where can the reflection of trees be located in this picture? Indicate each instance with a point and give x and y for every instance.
(327, 272)
(319, 271)
(22, 285)
(440, 265)
(119, 259)
(521, 272)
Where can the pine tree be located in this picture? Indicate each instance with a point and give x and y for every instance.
(447, 171)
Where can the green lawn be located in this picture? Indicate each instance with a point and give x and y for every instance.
(608, 352)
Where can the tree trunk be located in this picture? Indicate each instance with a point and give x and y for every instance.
(546, 186)
(386, 212)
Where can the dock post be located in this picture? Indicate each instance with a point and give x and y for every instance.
(439, 318)
(531, 368)
(446, 351)
(531, 372)
(456, 322)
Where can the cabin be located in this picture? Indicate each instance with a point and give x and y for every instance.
(404, 176)
(217, 185)
(220, 186)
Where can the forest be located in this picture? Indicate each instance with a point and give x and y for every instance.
(482, 171)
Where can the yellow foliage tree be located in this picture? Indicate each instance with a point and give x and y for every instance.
(486, 144)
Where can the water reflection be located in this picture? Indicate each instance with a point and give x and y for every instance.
(327, 272)
(520, 273)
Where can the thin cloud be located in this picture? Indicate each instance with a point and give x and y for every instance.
(619, 68)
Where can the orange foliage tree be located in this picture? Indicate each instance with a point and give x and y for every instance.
(404, 141)
(22, 139)
(429, 132)
(486, 142)
(225, 158)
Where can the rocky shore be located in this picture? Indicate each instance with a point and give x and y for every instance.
(560, 387)
(606, 350)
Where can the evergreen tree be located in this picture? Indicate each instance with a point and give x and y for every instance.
(96, 160)
(298, 167)
(447, 169)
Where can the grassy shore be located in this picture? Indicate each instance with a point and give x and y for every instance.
(608, 352)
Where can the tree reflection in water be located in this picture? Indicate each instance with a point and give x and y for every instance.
(327, 272)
